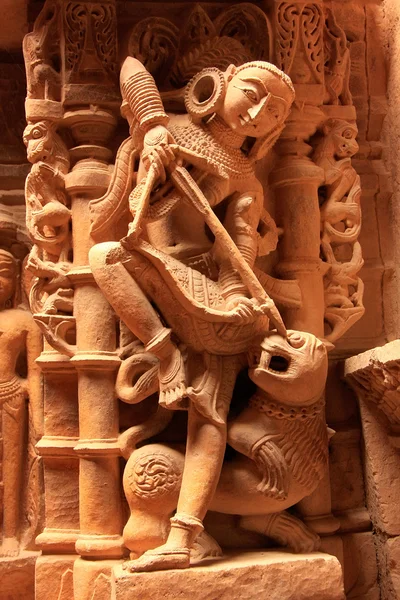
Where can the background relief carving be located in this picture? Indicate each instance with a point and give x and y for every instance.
(192, 252)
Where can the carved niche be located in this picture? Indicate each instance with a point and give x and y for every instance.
(167, 277)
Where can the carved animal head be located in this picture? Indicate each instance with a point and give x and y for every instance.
(39, 141)
(293, 370)
(340, 138)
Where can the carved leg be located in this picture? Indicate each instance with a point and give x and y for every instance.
(204, 456)
(133, 307)
(284, 528)
(13, 436)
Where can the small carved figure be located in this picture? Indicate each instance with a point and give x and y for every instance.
(281, 441)
(201, 278)
(48, 218)
(337, 63)
(19, 336)
(340, 225)
(42, 55)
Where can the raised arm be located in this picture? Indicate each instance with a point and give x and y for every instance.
(241, 221)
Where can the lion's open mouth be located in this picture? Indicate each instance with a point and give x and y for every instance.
(278, 363)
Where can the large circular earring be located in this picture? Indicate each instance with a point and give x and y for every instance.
(205, 93)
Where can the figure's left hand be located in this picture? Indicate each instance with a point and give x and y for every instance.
(159, 150)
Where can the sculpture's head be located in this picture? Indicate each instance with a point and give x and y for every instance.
(257, 99)
(8, 278)
(38, 140)
(253, 100)
(340, 138)
(293, 370)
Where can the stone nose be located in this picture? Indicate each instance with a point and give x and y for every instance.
(256, 112)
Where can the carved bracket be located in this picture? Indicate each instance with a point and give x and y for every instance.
(375, 377)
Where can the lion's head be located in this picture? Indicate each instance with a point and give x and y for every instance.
(290, 370)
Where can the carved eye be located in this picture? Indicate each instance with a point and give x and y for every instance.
(296, 340)
(348, 134)
(251, 94)
(36, 134)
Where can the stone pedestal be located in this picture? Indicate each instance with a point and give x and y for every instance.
(17, 576)
(244, 576)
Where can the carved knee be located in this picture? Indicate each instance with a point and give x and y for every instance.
(104, 254)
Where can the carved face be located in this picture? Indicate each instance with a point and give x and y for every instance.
(256, 101)
(7, 277)
(344, 139)
(293, 370)
(37, 141)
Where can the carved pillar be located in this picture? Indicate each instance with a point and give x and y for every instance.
(375, 377)
(89, 44)
(72, 84)
(45, 184)
(61, 474)
(296, 179)
(96, 362)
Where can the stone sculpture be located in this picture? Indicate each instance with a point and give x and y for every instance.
(48, 218)
(281, 440)
(154, 279)
(203, 286)
(19, 337)
(340, 226)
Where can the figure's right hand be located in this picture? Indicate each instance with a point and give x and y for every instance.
(244, 311)
(159, 150)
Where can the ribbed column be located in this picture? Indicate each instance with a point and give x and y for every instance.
(299, 52)
(61, 476)
(95, 360)
(59, 459)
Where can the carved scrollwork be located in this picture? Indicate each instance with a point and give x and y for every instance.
(340, 227)
(299, 41)
(239, 34)
(154, 476)
(90, 47)
(198, 29)
(154, 41)
(249, 25)
(337, 62)
(57, 329)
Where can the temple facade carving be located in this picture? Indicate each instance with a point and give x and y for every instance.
(181, 274)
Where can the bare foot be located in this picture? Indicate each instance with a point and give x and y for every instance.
(9, 547)
(160, 559)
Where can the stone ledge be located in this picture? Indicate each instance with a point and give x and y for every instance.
(17, 576)
(245, 576)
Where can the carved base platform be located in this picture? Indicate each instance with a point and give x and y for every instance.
(17, 576)
(243, 576)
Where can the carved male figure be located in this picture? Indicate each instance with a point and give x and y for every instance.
(205, 289)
